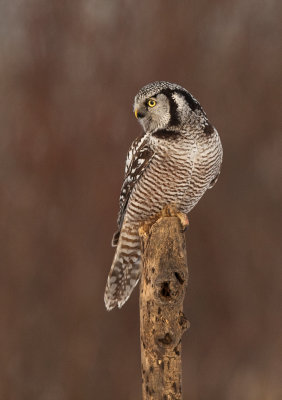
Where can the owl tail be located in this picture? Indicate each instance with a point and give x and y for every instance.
(125, 270)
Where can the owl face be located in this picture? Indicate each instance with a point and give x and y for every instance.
(152, 111)
(167, 106)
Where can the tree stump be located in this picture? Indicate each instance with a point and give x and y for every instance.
(162, 322)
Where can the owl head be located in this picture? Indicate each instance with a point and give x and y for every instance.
(167, 106)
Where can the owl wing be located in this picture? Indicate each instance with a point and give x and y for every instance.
(138, 158)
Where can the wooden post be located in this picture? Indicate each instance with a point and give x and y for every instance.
(162, 322)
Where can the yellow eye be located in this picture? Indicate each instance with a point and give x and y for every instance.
(151, 103)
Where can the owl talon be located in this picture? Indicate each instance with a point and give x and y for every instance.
(183, 220)
(144, 230)
(171, 211)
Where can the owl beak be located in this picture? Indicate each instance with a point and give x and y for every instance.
(139, 113)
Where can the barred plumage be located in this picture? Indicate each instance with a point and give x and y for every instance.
(174, 162)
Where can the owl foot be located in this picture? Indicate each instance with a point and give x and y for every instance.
(144, 229)
(172, 211)
(146, 226)
(183, 218)
(167, 211)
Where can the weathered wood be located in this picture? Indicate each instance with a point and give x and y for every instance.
(162, 322)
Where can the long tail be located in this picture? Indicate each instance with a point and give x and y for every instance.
(125, 270)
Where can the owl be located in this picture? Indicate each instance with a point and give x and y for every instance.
(175, 161)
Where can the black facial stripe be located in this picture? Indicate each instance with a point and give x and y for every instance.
(193, 104)
(166, 134)
(174, 119)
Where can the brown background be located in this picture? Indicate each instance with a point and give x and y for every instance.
(68, 74)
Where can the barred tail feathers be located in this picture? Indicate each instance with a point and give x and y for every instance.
(125, 270)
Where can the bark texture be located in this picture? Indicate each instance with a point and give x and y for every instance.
(162, 322)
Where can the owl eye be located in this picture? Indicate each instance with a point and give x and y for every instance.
(152, 103)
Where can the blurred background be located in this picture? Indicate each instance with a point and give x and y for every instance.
(68, 74)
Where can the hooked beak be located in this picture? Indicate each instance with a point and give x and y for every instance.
(139, 112)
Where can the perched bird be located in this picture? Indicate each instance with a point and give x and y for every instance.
(175, 161)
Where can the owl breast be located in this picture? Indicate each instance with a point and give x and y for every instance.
(179, 174)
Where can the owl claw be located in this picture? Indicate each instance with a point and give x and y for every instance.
(167, 211)
(172, 211)
(144, 230)
(183, 218)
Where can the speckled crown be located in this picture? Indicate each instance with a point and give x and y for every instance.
(156, 87)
